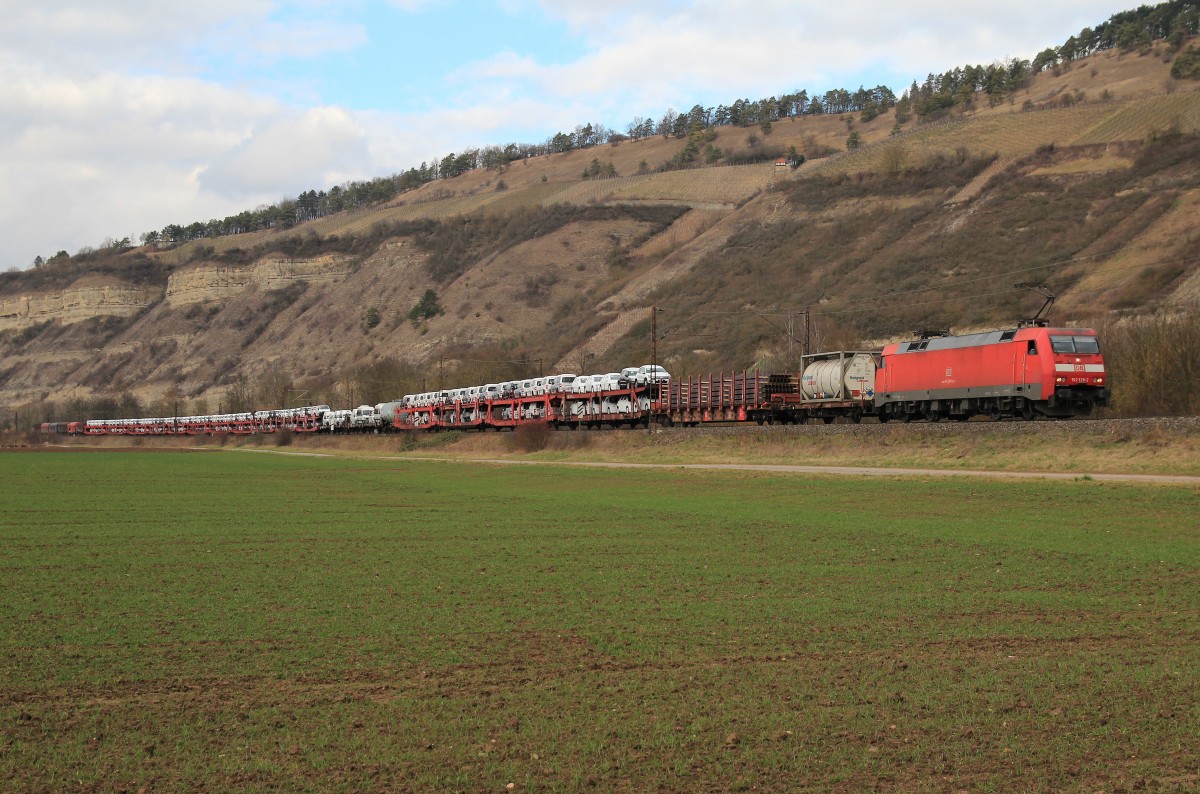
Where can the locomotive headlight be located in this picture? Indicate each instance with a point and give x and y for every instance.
(1099, 381)
(1060, 379)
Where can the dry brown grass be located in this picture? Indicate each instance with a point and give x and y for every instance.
(701, 186)
(1085, 165)
(1112, 282)
(684, 230)
(186, 252)
(1143, 118)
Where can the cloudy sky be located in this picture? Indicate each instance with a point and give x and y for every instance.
(120, 116)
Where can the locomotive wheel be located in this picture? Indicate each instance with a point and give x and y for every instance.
(1027, 412)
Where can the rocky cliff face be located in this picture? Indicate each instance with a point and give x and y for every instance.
(75, 304)
(102, 333)
(199, 284)
(214, 282)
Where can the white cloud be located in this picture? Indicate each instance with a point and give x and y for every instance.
(105, 130)
(306, 39)
(291, 153)
(76, 38)
(412, 6)
(72, 37)
(671, 50)
(81, 160)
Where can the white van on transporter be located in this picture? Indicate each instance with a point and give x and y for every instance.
(559, 383)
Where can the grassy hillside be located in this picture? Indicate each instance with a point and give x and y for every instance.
(1087, 181)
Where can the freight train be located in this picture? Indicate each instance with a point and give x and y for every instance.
(1023, 373)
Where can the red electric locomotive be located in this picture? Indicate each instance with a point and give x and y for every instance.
(1021, 372)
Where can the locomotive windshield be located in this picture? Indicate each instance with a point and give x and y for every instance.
(1074, 344)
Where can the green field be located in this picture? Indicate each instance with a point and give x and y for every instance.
(234, 620)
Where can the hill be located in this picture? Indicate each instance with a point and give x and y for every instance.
(1087, 180)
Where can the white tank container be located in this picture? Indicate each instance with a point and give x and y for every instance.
(842, 376)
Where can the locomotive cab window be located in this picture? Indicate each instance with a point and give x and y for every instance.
(1033, 347)
(1075, 344)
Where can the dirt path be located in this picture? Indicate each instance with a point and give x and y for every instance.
(848, 471)
(282, 452)
(839, 471)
